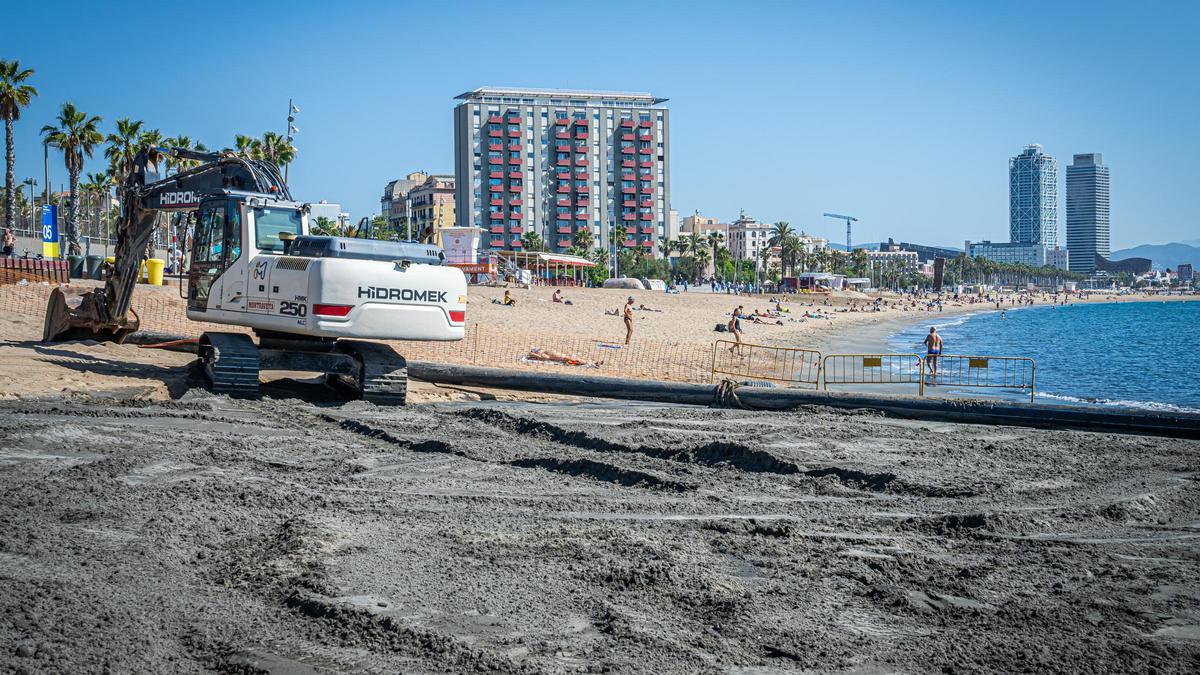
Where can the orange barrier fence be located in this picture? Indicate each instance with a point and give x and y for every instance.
(760, 362)
(16, 270)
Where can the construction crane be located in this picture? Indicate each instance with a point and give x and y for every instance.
(848, 219)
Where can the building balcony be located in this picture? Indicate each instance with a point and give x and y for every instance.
(647, 191)
(649, 230)
(516, 229)
(581, 161)
(646, 177)
(563, 175)
(514, 119)
(564, 229)
(495, 174)
(564, 203)
(647, 164)
(562, 122)
(564, 162)
(495, 188)
(627, 163)
(564, 243)
(648, 243)
(629, 203)
(646, 138)
(496, 201)
(514, 134)
(562, 148)
(515, 147)
(514, 188)
(628, 216)
(581, 122)
(628, 151)
(495, 134)
(494, 119)
(497, 229)
(495, 147)
(628, 137)
(562, 189)
(515, 201)
(563, 135)
(514, 175)
(647, 216)
(627, 124)
(581, 216)
(645, 151)
(629, 243)
(627, 176)
(646, 204)
(497, 243)
(495, 160)
(628, 191)
(581, 135)
(645, 124)
(581, 148)
(581, 176)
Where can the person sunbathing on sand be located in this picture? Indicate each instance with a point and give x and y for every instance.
(551, 356)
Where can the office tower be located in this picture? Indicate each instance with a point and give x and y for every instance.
(1087, 212)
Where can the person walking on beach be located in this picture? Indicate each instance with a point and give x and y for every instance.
(10, 242)
(735, 327)
(933, 348)
(628, 312)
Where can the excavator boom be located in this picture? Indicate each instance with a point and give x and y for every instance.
(105, 313)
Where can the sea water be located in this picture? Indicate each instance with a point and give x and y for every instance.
(1133, 354)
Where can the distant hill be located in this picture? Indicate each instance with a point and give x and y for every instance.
(1163, 256)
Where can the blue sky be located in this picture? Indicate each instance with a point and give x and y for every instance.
(903, 114)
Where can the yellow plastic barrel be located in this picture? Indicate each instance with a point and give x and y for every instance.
(154, 270)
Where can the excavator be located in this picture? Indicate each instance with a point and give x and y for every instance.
(313, 302)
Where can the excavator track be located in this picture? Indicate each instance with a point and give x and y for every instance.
(231, 362)
(383, 378)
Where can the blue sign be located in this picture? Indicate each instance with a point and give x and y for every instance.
(49, 231)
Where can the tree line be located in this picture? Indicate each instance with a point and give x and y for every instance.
(78, 134)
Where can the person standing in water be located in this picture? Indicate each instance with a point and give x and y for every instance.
(933, 348)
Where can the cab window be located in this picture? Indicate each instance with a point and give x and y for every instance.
(270, 222)
(209, 246)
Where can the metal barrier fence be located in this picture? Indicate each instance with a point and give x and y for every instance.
(874, 369)
(761, 362)
(1002, 372)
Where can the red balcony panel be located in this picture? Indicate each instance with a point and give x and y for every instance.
(627, 176)
(515, 174)
(562, 148)
(648, 164)
(582, 149)
(496, 215)
(496, 201)
(495, 160)
(515, 161)
(627, 124)
(649, 230)
(563, 175)
(564, 229)
(647, 204)
(647, 191)
(497, 243)
(496, 174)
(514, 134)
(515, 147)
(564, 243)
(647, 216)
(563, 190)
(515, 201)
(495, 188)
(647, 243)
(497, 229)
(516, 229)
(581, 199)
(646, 137)
(647, 177)
(628, 151)
(629, 203)
(563, 135)
(645, 124)
(581, 122)
(562, 121)
(629, 243)
(514, 188)
(564, 202)
(581, 161)
(628, 216)
(581, 216)
(581, 135)
(644, 151)
(494, 119)
(627, 137)
(495, 147)
(514, 119)
(564, 162)
(495, 134)
(627, 191)
(581, 176)
(627, 163)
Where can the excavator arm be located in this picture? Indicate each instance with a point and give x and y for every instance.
(106, 313)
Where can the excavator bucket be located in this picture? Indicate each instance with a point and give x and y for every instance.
(77, 317)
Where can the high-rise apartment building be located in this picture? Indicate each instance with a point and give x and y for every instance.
(560, 162)
(1033, 198)
(1087, 211)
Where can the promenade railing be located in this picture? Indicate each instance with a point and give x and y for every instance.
(999, 372)
(861, 369)
(790, 366)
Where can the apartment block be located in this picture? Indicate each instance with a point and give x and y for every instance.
(432, 207)
(559, 162)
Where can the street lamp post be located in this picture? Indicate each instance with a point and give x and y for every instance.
(32, 206)
(291, 129)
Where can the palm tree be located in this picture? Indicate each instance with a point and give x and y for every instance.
(122, 148)
(858, 262)
(14, 95)
(273, 148)
(702, 259)
(715, 239)
(77, 135)
(325, 227)
(779, 233)
(532, 241)
(692, 243)
(243, 145)
(582, 241)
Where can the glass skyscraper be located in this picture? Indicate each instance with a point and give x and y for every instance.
(1087, 212)
(1033, 198)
